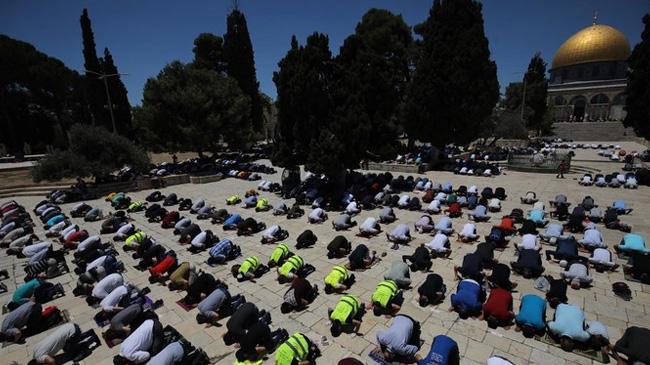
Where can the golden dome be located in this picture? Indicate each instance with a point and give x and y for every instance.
(596, 43)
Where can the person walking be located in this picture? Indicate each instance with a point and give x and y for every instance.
(561, 169)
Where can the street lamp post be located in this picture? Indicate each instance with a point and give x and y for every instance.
(105, 77)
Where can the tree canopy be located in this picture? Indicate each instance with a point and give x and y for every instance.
(209, 53)
(454, 86)
(373, 74)
(186, 108)
(637, 102)
(93, 152)
(94, 89)
(238, 51)
(40, 98)
(536, 93)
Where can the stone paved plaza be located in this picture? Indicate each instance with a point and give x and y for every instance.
(477, 342)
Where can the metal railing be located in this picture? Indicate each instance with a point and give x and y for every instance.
(538, 162)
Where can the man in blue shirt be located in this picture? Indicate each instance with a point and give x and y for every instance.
(532, 315)
(468, 299)
(568, 325)
(537, 216)
(566, 249)
(231, 222)
(223, 251)
(444, 350)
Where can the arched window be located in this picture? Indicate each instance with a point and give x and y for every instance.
(600, 99)
(559, 100)
(579, 100)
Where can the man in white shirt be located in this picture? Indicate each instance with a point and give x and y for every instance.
(602, 260)
(403, 201)
(111, 303)
(90, 242)
(473, 190)
(144, 342)
(439, 245)
(468, 234)
(401, 234)
(592, 239)
(494, 205)
(317, 215)
(529, 242)
(352, 208)
(369, 227)
(586, 180)
(433, 207)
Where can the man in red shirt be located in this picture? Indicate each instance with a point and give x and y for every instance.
(507, 225)
(497, 310)
(454, 210)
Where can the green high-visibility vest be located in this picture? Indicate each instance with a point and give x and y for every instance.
(336, 276)
(295, 347)
(279, 252)
(386, 290)
(346, 308)
(293, 263)
(249, 265)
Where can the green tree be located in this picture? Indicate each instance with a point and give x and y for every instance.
(93, 87)
(119, 99)
(536, 93)
(374, 64)
(318, 125)
(513, 97)
(189, 109)
(637, 102)
(93, 152)
(238, 51)
(454, 86)
(39, 97)
(209, 53)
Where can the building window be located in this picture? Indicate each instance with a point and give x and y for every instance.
(559, 100)
(600, 99)
(595, 70)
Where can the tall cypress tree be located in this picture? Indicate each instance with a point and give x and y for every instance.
(238, 51)
(118, 93)
(375, 65)
(637, 102)
(454, 87)
(536, 92)
(93, 88)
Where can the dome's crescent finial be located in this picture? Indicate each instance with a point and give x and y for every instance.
(595, 18)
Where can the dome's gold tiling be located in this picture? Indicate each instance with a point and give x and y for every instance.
(596, 43)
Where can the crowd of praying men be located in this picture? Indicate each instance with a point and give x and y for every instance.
(483, 291)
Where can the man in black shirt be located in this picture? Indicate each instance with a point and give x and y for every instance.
(486, 251)
(529, 264)
(557, 292)
(244, 317)
(360, 258)
(566, 249)
(306, 239)
(633, 346)
(420, 260)
(299, 295)
(500, 277)
(472, 268)
(339, 247)
(432, 291)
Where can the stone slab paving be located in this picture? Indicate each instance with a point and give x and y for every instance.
(476, 341)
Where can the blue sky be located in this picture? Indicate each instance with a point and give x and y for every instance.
(145, 35)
